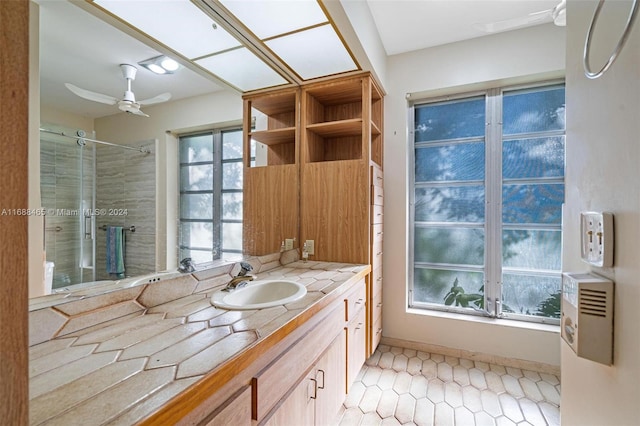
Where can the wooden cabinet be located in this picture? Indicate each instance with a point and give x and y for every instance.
(317, 398)
(317, 174)
(271, 170)
(374, 297)
(341, 166)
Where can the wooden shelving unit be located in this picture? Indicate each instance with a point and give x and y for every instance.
(325, 138)
(341, 164)
(271, 197)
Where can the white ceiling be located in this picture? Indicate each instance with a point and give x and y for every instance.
(78, 48)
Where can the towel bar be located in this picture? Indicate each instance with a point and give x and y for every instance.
(132, 228)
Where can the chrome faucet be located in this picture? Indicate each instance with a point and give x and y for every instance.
(186, 265)
(241, 279)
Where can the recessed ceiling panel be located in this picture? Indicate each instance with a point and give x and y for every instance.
(178, 24)
(270, 18)
(316, 52)
(242, 69)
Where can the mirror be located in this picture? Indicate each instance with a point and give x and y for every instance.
(147, 184)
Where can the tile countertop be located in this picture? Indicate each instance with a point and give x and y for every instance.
(124, 369)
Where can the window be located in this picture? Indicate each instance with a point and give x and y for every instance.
(211, 195)
(486, 204)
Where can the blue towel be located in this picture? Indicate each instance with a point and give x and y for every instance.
(115, 251)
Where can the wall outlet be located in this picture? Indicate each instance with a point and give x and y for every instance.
(288, 243)
(311, 247)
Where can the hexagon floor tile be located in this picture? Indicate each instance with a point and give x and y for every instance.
(400, 386)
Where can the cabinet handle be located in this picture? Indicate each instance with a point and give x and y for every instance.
(379, 253)
(379, 331)
(321, 371)
(379, 279)
(379, 304)
(315, 389)
(359, 301)
(359, 326)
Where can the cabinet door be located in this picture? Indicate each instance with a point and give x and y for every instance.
(298, 407)
(356, 347)
(331, 379)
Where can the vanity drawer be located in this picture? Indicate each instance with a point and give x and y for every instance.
(376, 233)
(377, 178)
(377, 214)
(377, 308)
(376, 280)
(376, 255)
(376, 334)
(355, 300)
(377, 196)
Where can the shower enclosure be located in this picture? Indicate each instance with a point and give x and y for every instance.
(68, 191)
(86, 186)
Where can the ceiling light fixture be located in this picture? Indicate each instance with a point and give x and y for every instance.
(160, 65)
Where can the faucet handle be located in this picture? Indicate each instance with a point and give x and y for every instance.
(244, 268)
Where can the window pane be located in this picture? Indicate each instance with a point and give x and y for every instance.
(196, 206)
(450, 203)
(535, 203)
(533, 111)
(531, 295)
(450, 163)
(532, 249)
(231, 236)
(231, 144)
(196, 178)
(459, 246)
(451, 288)
(533, 158)
(232, 206)
(196, 148)
(450, 120)
(232, 175)
(197, 234)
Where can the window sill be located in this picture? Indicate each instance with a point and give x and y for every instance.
(501, 322)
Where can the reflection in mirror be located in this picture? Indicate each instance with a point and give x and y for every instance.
(100, 212)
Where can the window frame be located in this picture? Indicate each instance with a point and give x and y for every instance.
(493, 187)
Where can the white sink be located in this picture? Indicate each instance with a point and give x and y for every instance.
(259, 294)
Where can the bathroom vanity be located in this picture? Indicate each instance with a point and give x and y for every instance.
(160, 353)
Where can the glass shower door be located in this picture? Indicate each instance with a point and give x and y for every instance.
(67, 183)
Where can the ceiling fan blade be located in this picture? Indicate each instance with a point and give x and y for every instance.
(163, 97)
(92, 96)
(512, 24)
(138, 112)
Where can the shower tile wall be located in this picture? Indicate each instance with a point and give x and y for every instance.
(126, 188)
(60, 176)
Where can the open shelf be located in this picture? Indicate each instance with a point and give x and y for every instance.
(275, 137)
(276, 120)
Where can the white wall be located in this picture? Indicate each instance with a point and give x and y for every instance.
(165, 121)
(603, 173)
(496, 59)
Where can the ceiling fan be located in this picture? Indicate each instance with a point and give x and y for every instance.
(557, 15)
(128, 102)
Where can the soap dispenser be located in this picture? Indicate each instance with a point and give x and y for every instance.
(305, 252)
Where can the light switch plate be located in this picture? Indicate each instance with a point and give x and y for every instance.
(596, 238)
